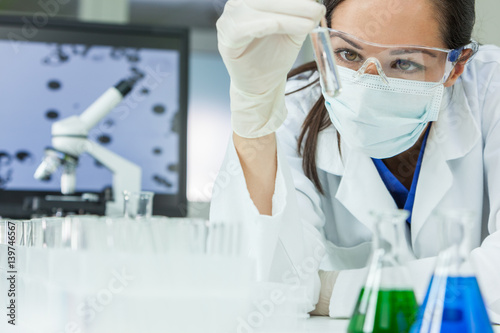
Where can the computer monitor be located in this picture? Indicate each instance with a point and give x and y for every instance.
(55, 70)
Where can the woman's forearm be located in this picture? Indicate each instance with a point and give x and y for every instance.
(259, 163)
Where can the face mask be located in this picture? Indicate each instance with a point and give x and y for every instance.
(382, 120)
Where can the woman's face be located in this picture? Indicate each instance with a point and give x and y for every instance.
(392, 22)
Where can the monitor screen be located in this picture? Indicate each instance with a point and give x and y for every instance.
(63, 68)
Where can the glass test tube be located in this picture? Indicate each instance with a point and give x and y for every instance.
(328, 73)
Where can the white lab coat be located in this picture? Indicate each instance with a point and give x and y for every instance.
(460, 170)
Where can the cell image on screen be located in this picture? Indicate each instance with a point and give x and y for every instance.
(43, 83)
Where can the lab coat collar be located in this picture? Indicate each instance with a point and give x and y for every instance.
(456, 131)
(452, 137)
(361, 189)
(327, 152)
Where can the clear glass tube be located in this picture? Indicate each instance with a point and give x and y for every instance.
(327, 68)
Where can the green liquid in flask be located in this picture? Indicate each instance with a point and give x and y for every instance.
(395, 311)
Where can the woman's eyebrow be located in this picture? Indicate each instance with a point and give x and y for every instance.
(408, 51)
(359, 47)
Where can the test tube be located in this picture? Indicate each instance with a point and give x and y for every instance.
(328, 73)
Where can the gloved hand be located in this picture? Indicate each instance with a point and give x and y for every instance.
(259, 41)
(328, 279)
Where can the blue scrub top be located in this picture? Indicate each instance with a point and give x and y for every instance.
(404, 199)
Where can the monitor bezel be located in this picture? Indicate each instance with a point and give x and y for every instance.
(57, 30)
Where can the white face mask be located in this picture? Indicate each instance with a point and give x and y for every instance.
(383, 120)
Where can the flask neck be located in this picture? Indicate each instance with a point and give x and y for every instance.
(456, 245)
(389, 237)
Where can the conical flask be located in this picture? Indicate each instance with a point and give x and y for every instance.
(387, 302)
(453, 302)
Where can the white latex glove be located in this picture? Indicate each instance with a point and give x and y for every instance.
(328, 280)
(259, 41)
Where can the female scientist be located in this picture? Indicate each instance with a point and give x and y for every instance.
(304, 172)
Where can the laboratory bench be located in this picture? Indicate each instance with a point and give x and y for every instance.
(68, 271)
(329, 325)
(311, 325)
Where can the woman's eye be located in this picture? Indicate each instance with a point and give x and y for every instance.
(349, 55)
(406, 65)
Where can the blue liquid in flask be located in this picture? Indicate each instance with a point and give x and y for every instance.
(463, 309)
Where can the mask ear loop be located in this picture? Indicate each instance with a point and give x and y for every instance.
(377, 64)
(450, 65)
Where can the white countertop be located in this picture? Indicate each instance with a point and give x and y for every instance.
(326, 324)
(311, 325)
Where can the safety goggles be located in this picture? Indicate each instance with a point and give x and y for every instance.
(408, 62)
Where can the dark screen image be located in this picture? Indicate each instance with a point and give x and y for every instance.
(62, 80)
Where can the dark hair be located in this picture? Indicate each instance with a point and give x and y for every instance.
(456, 19)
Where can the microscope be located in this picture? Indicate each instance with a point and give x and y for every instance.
(70, 140)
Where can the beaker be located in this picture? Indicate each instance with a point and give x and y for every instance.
(453, 302)
(387, 302)
(327, 68)
(138, 204)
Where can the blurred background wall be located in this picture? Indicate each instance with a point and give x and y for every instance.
(209, 114)
(487, 29)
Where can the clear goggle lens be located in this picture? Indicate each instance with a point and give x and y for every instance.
(417, 63)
